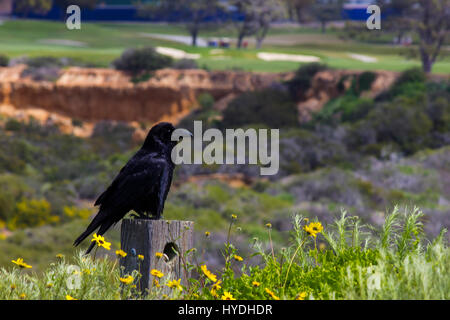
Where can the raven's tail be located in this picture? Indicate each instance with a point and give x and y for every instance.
(104, 226)
(95, 223)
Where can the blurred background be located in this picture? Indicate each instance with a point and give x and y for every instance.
(364, 115)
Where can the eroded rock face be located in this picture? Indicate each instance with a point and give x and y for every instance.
(104, 94)
(330, 84)
(94, 95)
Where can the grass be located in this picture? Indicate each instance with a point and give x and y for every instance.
(344, 260)
(103, 42)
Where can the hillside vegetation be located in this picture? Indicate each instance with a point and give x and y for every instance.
(363, 155)
(344, 260)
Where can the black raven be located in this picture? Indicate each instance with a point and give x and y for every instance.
(142, 184)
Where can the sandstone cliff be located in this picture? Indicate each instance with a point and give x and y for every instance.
(103, 94)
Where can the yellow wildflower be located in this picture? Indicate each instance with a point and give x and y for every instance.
(156, 283)
(233, 216)
(313, 229)
(60, 256)
(156, 273)
(13, 286)
(208, 273)
(159, 255)
(101, 242)
(70, 298)
(21, 263)
(269, 225)
(121, 253)
(217, 286)
(207, 234)
(227, 296)
(175, 284)
(255, 283)
(49, 285)
(127, 280)
(237, 258)
(141, 257)
(316, 226)
(301, 296)
(270, 292)
(22, 296)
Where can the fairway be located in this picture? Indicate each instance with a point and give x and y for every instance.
(99, 44)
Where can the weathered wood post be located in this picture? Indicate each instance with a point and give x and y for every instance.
(147, 237)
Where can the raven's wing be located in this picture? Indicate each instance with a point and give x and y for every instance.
(142, 175)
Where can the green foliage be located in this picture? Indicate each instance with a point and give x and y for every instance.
(345, 260)
(141, 61)
(411, 83)
(270, 107)
(406, 125)
(347, 108)
(24, 7)
(362, 82)
(351, 262)
(13, 189)
(31, 213)
(73, 212)
(301, 81)
(4, 60)
(206, 101)
(185, 64)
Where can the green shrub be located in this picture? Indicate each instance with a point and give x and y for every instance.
(13, 125)
(348, 108)
(12, 188)
(410, 83)
(141, 61)
(4, 60)
(342, 260)
(206, 101)
(185, 64)
(401, 123)
(362, 82)
(31, 213)
(270, 107)
(302, 79)
(411, 75)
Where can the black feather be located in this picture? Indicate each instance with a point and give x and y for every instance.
(142, 184)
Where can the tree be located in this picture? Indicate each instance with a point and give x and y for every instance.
(89, 4)
(326, 10)
(24, 7)
(432, 22)
(84, 4)
(398, 16)
(267, 11)
(430, 19)
(299, 8)
(257, 16)
(192, 13)
(248, 25)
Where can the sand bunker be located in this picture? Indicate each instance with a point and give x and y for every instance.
(362, 58)
(266, 56)
(176, 38)
(63, 42)
(177, 53)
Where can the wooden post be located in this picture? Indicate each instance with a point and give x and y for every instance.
(147, 237)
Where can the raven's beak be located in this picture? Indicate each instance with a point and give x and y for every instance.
(180, 133)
